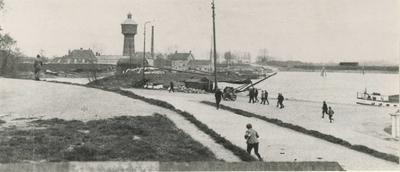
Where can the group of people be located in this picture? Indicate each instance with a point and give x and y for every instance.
(328, 111)
(253, 96)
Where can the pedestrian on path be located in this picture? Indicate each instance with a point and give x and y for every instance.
(251, 95)
(280, 101)
(324, 109)
(262, 98)
(218, 97)
(171, 86)
(38, 67)
(251, 137)
(256, 94)
(330, 113)
(266, 96)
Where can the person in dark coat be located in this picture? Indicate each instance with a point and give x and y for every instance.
(280, 101)
(256, 94)
(171, 86)
(38, 66)
(266, 96)
(324, 109)
(218, 97)
(251, 95)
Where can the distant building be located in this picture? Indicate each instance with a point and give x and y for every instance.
(180, 61)
(348, 64)
(109, 59)
(77, 56)
(130, 63)
(201, 65)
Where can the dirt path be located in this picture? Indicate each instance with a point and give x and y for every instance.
(26, 100)
(276, 143)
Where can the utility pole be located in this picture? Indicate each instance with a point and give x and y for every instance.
(144, 49)
(215, 48)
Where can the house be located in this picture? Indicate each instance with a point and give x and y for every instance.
(180, 61)
(79, 56)
(200, 65)
(130, 63)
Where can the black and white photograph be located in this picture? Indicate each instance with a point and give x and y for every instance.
(199, 85)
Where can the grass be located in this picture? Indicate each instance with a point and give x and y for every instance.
(317, 134)
(242, 154)
(124, 138)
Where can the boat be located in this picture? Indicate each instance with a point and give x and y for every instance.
(377, 99)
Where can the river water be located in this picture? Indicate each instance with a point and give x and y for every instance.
(335, 87)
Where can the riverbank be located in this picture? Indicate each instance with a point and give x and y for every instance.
(276, 143)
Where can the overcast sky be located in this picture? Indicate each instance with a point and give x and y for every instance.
(305, 30)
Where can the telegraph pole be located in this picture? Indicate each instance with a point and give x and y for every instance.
(215, 48)
(144, 49)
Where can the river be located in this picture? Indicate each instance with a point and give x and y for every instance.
(335, 87)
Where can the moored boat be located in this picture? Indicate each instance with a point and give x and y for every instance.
(377, 99)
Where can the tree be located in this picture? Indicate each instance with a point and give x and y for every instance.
(6, 55)
(228, 57)
(263, 56)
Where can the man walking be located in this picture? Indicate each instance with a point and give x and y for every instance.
(280, 101)
(251, 137)
(262, 98)
(251, 95)
(330, 113)
(256, 94)
(38, 66)
(218, 97)
(324, 109)
(266, 96)
(171, 86)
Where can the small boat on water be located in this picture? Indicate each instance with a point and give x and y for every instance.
(376, 99)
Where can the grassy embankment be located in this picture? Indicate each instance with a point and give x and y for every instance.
(317, 134)
(241, 153)
(124, 138)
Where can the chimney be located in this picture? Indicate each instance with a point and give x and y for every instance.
(152, 42)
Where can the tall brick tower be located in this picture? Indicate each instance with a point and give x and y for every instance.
(129, 29)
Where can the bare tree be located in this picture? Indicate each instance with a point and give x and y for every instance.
(263, 55)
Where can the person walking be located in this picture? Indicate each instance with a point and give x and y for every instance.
(324, 109)
(280, 101)
(330, 113)
(266, 96)
(256, 94)
(218, 97)
(171, 86)
(37, 67)
(251, 95)
(262, 98)
(251, 137)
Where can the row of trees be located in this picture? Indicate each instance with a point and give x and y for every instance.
(10, 55)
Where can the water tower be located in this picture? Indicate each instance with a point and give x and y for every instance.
(129, 29)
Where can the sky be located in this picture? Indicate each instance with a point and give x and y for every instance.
(318, 31)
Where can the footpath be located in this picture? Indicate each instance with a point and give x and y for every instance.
(276, 143)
